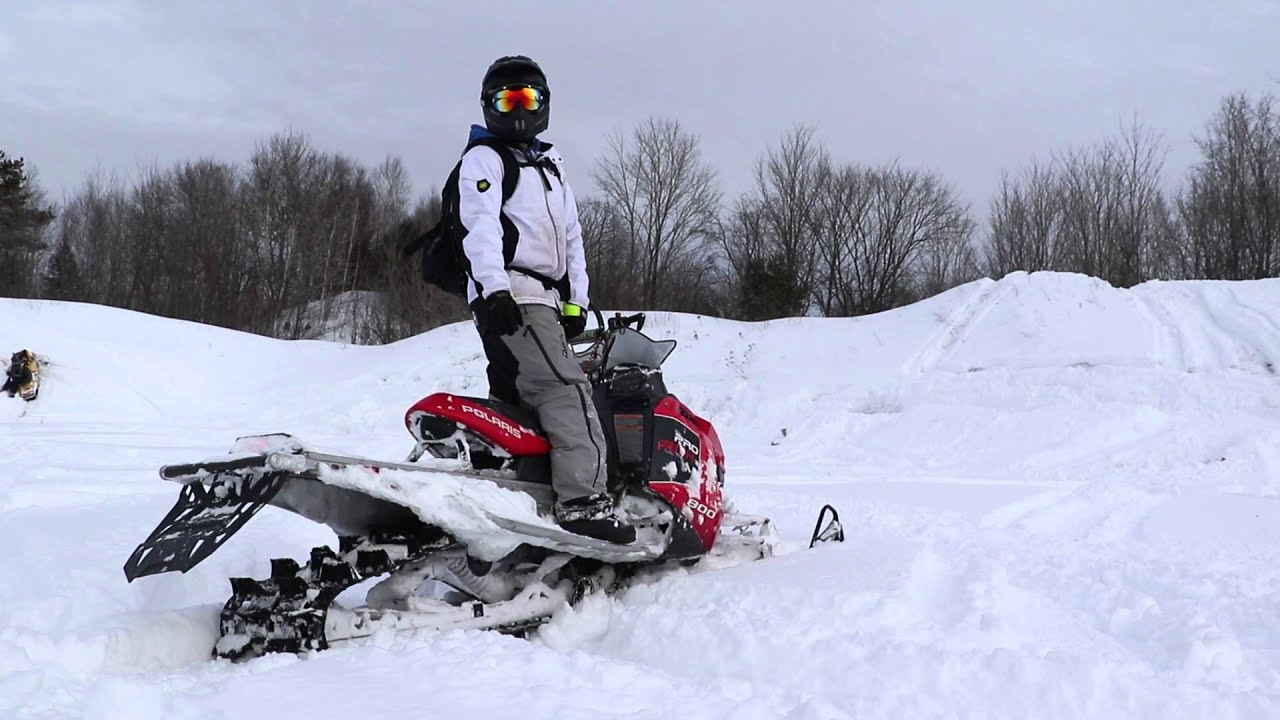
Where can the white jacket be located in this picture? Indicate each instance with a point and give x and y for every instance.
(545, 215)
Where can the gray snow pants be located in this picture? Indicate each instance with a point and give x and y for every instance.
(536, 369)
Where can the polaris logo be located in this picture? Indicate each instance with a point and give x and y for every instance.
(511, 429)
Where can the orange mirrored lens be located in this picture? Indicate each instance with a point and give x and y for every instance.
(508, 99)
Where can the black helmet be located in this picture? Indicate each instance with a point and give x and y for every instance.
(518, 125)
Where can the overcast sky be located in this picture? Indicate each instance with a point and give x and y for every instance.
(966, 88)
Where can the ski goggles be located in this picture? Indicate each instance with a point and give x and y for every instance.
(507, 99)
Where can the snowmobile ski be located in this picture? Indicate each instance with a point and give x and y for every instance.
(832, 532)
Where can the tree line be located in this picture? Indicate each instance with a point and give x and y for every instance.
(296, 237)
(1101, 210)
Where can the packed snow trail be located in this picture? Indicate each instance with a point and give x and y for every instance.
(1062, 500)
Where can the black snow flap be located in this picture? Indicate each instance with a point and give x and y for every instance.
(201, 521)
(832, 532)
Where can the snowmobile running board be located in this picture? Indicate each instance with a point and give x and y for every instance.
(528, 610)
(304, 463)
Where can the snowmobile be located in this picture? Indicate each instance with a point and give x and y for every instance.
(461, 529)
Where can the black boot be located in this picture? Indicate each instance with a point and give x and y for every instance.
(593, 516)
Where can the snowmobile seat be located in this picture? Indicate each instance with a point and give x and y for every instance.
(437, 417)
(493, 434)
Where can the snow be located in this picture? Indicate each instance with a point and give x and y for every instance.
(1061, 500)
(340, 318)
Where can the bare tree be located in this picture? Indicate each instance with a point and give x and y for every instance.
(312, 220)
(404, 311)
(1230, 208)
(412, 306)
(751, 273)
(1098, 210)
(790, 180)
(770, 237)
(92, 225)
(276, 247)
(878, 227)
(949, 258)
(152, 261)
(1025, 223)
(610, 262)
(842, 213)
(1111, 207)
(276, 198)
(216, 267)
(742, 234)
(666, 201)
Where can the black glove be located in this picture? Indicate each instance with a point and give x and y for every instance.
(573, 322)
(498, 313)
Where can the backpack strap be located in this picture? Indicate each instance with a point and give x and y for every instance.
(437, 257)
(510, 178)
(560, 287)
(510, 166)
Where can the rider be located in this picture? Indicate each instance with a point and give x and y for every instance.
(527, 288)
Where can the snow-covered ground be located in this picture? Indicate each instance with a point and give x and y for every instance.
(1062, 500)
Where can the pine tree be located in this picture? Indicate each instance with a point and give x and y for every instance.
(62, 281)
(769, 290)
(23, 218)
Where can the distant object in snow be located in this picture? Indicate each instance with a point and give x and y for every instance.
(23, 376)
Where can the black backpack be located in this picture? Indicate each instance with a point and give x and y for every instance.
(443, 262)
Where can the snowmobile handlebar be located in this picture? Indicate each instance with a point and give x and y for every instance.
(604, 327)
(619, 321)
(597, 338)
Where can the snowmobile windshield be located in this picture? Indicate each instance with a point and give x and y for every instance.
(632, 347)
